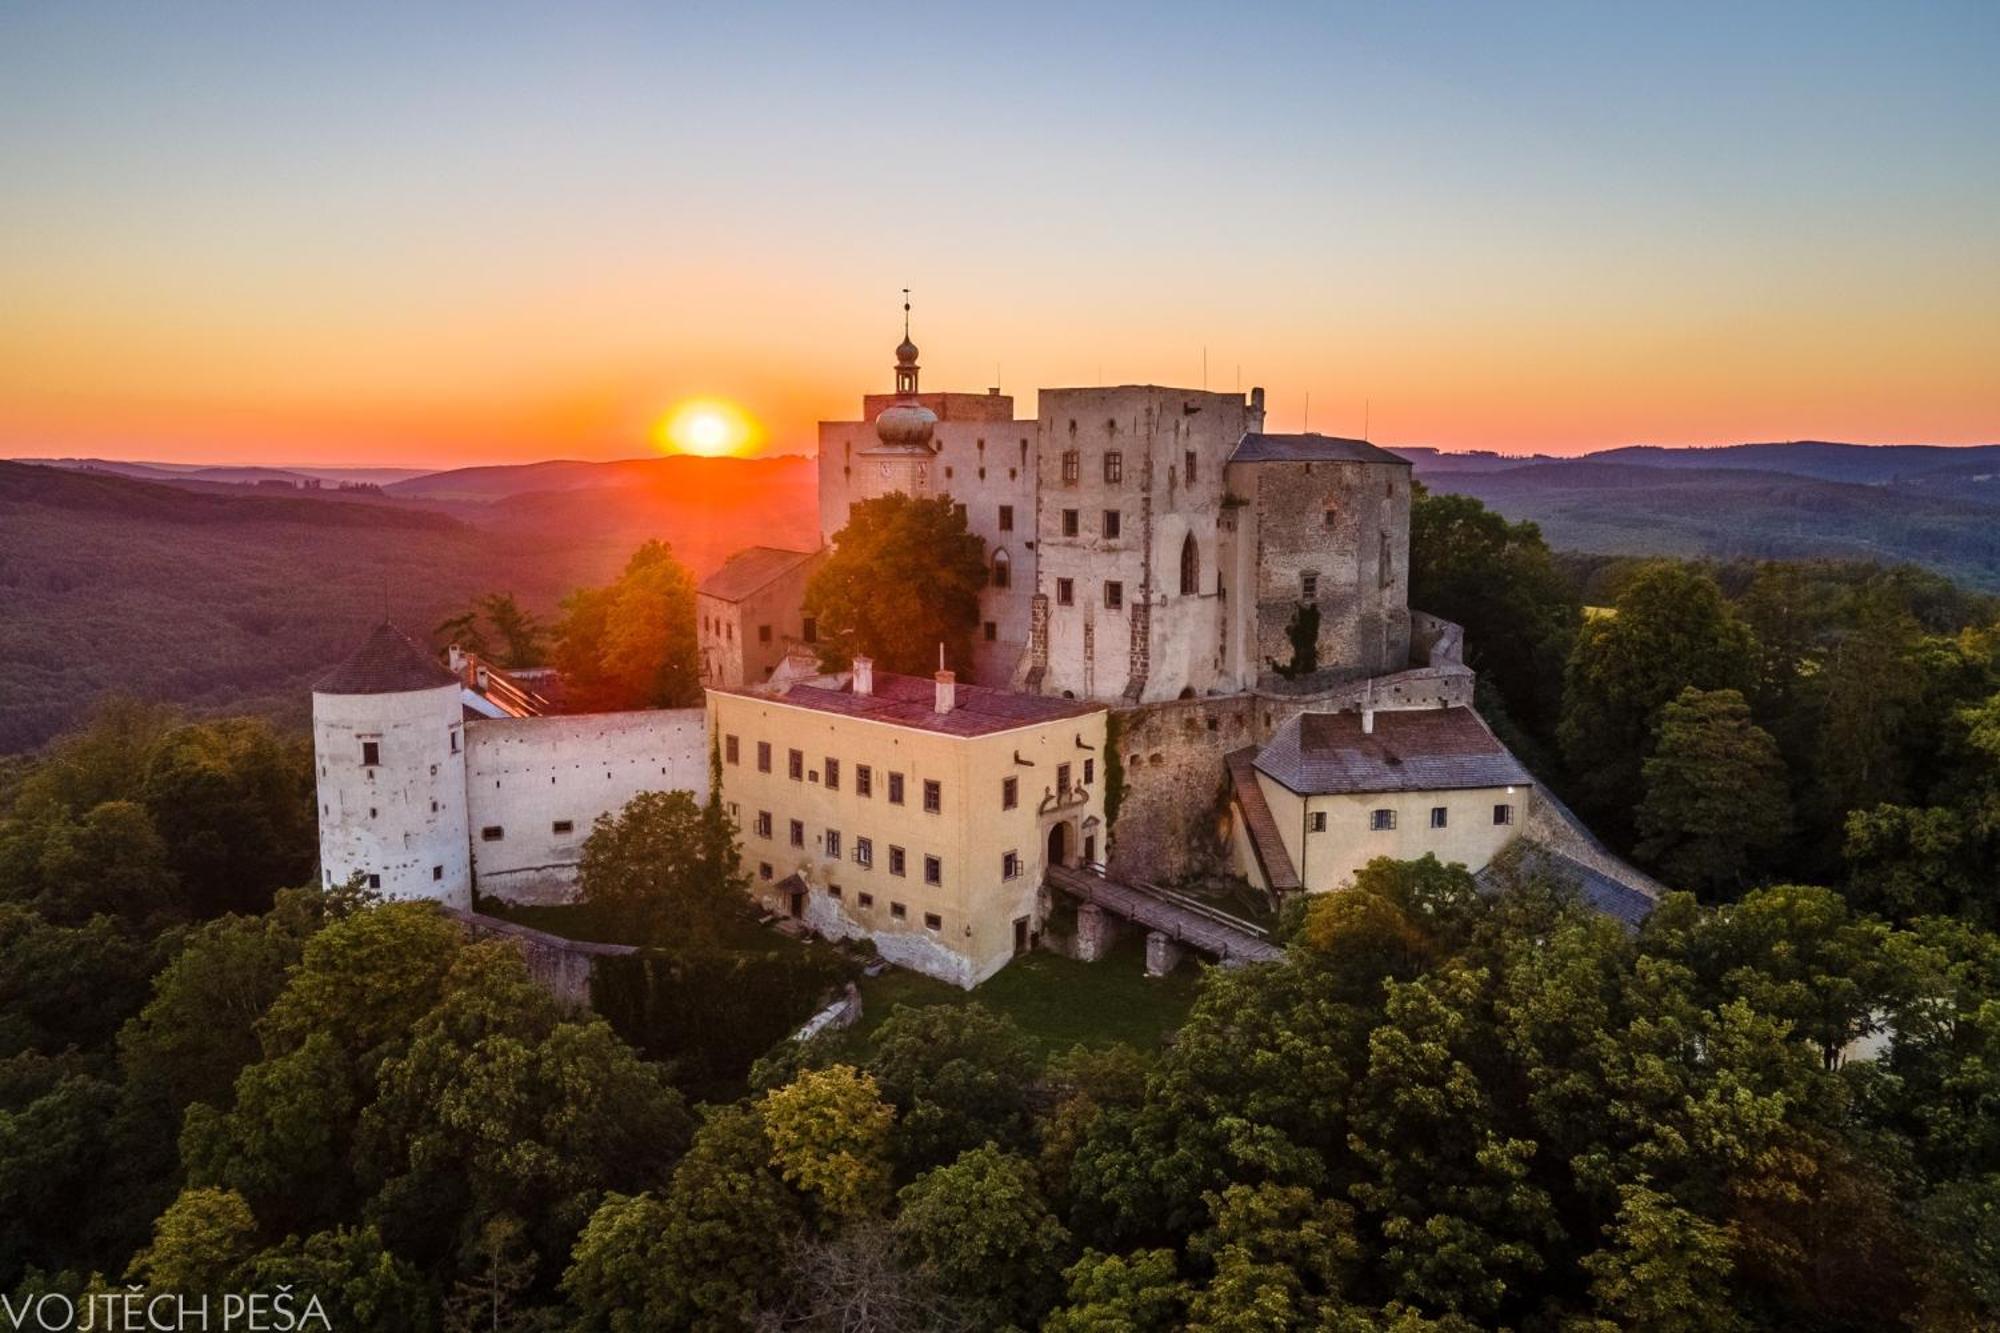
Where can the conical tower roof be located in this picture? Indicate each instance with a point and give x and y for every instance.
(388, 662)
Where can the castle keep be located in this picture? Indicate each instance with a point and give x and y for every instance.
(1196, 654)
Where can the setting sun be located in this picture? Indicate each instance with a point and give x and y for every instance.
(708, 427)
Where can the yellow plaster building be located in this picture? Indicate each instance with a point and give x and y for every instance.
(917, 813)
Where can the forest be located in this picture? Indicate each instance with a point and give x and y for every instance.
(1776, 1105)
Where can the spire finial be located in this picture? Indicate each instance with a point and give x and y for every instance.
(906, 312)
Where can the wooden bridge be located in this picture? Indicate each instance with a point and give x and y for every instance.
(1172, 917)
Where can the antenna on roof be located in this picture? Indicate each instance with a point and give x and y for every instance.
(940, 654)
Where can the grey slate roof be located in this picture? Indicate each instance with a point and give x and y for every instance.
(388, 662)
(1621, 902)
(1310, 449)
(1433, 749)
(751, 569)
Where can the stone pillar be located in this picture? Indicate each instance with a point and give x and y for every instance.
(1096, 931)
(1162, 954)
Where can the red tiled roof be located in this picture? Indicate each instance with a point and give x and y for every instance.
(911, 701)
(1260, 823)
(1432, 749)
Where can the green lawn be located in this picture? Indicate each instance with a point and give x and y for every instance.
(1058, 1001)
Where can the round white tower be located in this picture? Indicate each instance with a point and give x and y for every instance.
(389, 753)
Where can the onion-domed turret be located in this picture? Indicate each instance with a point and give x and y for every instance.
(906, 426)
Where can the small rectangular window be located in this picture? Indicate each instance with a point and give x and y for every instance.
(1071, 467)
(1330, 517)
(932, 921)
(1010, 865)
(1010, 793)
(763, 634)
(374, 881)
(864, 851)
(1114, 523)
(562, 826)
(1308, 587)
(1006, 518)
(832, 770)
(763, 756)
(492, 833)
(1114, 467)
(896, 861)
(933, 797)
(1065, 592)
(809, 630)
(865, 899)
(798, 833)
(1317, 823)
(729, 750)
(833, 892)
(1438, 816)
(833, 844)
(1114, 594)
(1503, 814)
(992, 632)
(454, 740)
(895, 789)
(795, 765)
(1069, 523)
(763, 870)
(1062, 780)
(1187, 471)
(1089, 771)
(899, 912)
(763, 823)
(933, 870)
(864, 780)
(437, 873)
(1381, 821)
(371, 753)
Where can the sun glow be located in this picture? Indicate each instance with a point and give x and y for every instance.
(709, 428)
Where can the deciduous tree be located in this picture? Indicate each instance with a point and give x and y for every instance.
(903, 578)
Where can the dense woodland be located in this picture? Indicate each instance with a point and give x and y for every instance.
(1775, 1106)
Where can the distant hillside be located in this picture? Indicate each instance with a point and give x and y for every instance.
(1865, 463)
(1631, 509)
(232, 475)
(236, 599)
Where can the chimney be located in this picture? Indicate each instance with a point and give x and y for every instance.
(947, 691)
(864, 675)
(1257, 408)
(1368, 722)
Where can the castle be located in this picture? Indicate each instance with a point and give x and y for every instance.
(1210, 617)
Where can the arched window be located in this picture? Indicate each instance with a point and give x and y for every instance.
(1190, 567)
(1003, 570)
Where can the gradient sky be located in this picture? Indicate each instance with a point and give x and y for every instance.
(434, 234)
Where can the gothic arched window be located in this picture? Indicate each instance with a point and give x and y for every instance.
(1002, 569)
(1190, 567)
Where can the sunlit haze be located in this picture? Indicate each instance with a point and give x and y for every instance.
(438, 235)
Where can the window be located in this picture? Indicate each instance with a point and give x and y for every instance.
(1069, 523)
(763, 870)
(1010, 865)
(437, 873)
(1309, 587)
(1187, 468)
(896, 861)
(1438, 816)
(454, 740)
(933, 870)
(763, 634)
(1006, 518)
(1065, 592)
(933, 797)
(798, 833)
(1010, 793)
(895, 789)
(763, 823)
(833, 844)
(809, 630)
(832, 770)
(1114, 594)
(795, 765)
(1114, 524)
(864, 780)
(1503, 814)
(864, 852)
(374, 881)
(1114, 467)
(1089, 771)
(729, 750)
(1318, 821)
(1062, 779)
(1330, 517)
(562, 826)
(865, 899)
(1382, 821)
(1003, 572)
(833, 892)
(992, 632)
(1070, 467)
(899, 912)
(492, 833)
(763, 756)
(932, 921)
(371, 753)
(1190, 567)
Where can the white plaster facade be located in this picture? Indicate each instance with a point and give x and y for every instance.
(390, 769)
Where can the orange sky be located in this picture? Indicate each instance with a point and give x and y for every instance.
(313, 239)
